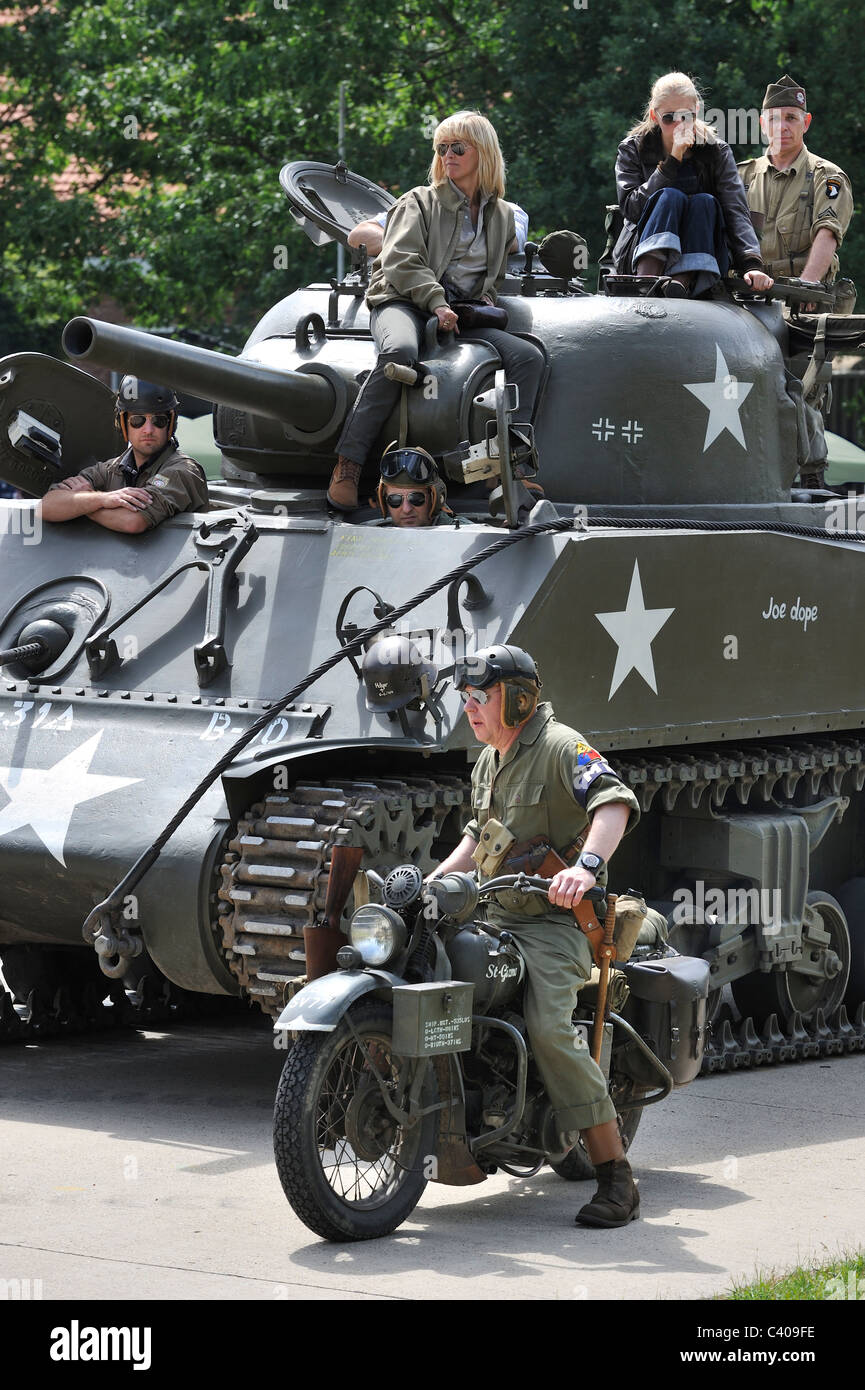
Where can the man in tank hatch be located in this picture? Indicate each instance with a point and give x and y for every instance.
(538, 777)
(149, 482)
(411, 493)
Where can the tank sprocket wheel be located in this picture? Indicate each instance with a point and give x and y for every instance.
(790, 992)
(274, 876)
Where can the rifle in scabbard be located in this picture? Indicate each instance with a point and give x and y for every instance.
(322, 942)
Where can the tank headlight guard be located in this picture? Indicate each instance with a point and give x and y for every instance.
(378, 933)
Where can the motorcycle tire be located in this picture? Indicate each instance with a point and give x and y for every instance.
(349, 1170)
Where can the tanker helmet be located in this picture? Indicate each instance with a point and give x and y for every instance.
(395, 673)
(410, 467)
(510, 666)
(135, 394)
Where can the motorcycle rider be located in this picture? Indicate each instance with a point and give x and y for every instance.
(536, 776)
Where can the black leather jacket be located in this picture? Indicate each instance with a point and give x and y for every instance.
(642, 169)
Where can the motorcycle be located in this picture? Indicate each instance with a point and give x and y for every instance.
(411, 1062)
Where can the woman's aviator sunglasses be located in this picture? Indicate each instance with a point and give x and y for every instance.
(414, 499)
(459, 147)
(159, 421)
(668, 117)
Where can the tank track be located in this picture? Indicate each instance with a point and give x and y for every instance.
(70, 1011)
(274, 875)
(286, 841)
(826, 767)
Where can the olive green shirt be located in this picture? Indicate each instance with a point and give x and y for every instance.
(175, 482)
(789, 206)
(549, 782)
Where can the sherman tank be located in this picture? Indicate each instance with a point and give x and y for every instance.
(693, 609)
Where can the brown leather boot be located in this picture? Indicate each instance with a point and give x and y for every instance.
(342, 492)
(616, 1201)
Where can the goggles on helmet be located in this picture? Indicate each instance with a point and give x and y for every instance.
(476, 672)
(417, 465)
(493, 664)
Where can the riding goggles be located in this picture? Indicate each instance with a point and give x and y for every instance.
(414, 499)
(417, 465)
(159, 421)
(477, 673)
(459, 147)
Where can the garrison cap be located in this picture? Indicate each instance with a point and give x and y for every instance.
(785, 92)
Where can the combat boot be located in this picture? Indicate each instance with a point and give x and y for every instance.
(342, 492)
(616, 1201)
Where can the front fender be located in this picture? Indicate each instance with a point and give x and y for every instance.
(318, 1007)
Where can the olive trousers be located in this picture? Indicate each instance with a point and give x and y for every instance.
(558, 962)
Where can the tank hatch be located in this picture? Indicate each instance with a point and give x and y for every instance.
(328, 200)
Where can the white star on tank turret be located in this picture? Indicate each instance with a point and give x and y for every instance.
(723, 398)
(634, 631)
(46, 798)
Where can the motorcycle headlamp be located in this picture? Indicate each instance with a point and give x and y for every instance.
(378, 933)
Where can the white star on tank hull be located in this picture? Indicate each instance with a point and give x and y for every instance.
(46, 798)
(633, 631)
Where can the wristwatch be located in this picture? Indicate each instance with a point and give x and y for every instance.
(593, 862)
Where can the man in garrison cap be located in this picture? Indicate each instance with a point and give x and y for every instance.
(800, 204)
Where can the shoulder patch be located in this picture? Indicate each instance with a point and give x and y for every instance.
(833, 188)
(159, 481)
(585, 754)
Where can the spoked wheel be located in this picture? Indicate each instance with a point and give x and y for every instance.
(348, 1168)
(785, 992)
(577, 1166)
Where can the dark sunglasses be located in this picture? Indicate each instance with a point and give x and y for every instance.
(669, 117)
(159, 421)
(480, 697)
(414, 499)
(407, 461)
(458, 146)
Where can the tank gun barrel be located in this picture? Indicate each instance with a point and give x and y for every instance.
(288, 396)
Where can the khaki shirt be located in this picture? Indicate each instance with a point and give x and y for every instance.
(789, 206)
(421, 238)
(175, 482)
(549, 782)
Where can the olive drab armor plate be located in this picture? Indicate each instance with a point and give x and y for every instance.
(70, 403)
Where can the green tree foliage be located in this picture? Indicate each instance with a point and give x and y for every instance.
(140, 144)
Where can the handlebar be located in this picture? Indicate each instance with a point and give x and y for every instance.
(528, 883)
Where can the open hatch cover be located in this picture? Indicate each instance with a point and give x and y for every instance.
(328, 200)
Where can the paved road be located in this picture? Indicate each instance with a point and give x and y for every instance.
(140, 1166)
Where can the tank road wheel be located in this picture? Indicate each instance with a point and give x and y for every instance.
(785, 992)
(274, 876)
(576, 1166)
(851, 897)
(348, 1168)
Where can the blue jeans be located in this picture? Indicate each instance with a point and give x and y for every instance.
(685, 232)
